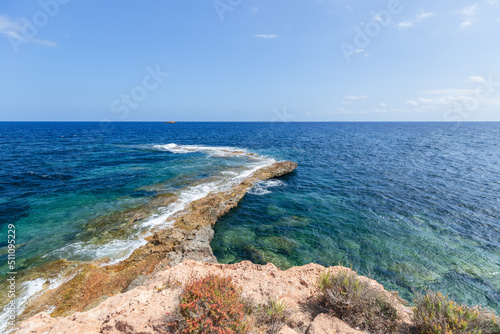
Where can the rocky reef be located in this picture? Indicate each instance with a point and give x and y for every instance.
(88, 284)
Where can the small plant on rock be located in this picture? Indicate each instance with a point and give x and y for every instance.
(212, 304)
(436, 314)
(273, 315)
(357, 303)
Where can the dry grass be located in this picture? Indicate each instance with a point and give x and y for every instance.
(272, 316)
(357, 303)
(436, 314)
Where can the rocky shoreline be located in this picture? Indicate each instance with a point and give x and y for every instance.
(88, 284)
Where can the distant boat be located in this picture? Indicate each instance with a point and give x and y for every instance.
(170, 122)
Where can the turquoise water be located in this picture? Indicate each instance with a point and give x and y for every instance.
(414, 205)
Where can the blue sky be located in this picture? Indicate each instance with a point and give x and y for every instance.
(250, 60)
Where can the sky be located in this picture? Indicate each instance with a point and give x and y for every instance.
(250, 60)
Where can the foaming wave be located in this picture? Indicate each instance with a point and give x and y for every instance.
(185, 197)
(263, 187)
(219, 151)
(116, 250)
(26, 291)
(166, 215)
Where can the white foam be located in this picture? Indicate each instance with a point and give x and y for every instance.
(186, 196)
(229, 172)
(29, 289)
(220, 151)
(25, 291)
(165, 216)
(191, 194)
(117, 250)
(262, 187)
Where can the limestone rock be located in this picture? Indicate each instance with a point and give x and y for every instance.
(327, 324)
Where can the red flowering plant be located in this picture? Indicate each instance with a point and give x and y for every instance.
(213, 304)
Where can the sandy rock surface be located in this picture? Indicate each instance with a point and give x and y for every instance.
(326, 324)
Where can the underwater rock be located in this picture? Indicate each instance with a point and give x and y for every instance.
(282, 244)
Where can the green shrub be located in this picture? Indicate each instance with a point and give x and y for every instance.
(273, 315)
(355, 302)
(436, 314)
(212, 305)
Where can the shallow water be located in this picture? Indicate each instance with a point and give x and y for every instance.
(415, 205)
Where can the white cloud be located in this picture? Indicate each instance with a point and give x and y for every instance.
(377, 17)
(498, 20)
(270, 36)
(469, 11)
(480, 97)
(356, 97)
(13, 30)
(467, 22)
(447, 92)
(383, 104)
(9, 27)
(476, 78)
(424, 15)
(346, 102)
(405, 24)
(424, 100)
(421, 15)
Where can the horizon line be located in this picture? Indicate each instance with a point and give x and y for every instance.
(272, 122)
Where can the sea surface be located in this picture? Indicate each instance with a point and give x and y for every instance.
(415, 206)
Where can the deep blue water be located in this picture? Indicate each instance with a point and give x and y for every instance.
(414, 205)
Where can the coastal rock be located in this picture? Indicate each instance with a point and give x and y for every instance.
(142, 310)
(92, 283)
(286, 330)
(327, 324)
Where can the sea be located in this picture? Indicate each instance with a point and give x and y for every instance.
(415, 206)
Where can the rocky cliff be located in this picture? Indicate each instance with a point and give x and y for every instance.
(142, 310)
